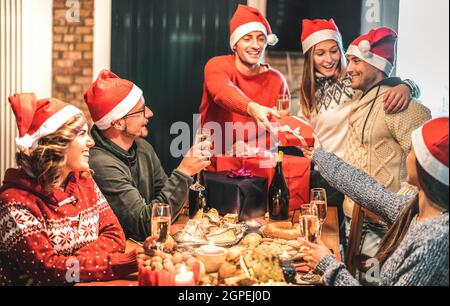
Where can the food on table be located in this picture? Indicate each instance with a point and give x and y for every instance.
(252, 238)
(231, 218)
(283, 230)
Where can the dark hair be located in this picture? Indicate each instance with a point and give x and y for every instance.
(434, 190)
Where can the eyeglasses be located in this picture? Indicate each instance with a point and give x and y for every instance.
(135, 113)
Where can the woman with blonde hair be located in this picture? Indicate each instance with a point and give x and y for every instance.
(56, 226)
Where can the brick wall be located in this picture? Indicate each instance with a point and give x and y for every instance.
(290, 64)
(72, 52)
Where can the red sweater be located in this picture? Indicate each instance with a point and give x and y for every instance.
(227, 92)
(42, 234)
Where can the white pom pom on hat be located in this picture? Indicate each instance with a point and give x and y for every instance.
(272, 39)
(364, 46)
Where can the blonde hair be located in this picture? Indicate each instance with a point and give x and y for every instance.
(309, 86)
(47, 161)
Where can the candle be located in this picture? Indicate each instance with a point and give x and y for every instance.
(184, 278)
(211, 249)
(285, 259)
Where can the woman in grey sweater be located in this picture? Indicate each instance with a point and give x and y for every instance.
(415, 251)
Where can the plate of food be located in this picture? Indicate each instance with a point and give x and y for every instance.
(211, 228)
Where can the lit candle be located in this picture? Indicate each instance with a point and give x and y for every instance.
(285, 259)
(211, 249)
(184, 278)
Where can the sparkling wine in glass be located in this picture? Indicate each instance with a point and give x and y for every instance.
(160, 223)
(319, 198)
(284, 104)
(199, 184)
(309, 230)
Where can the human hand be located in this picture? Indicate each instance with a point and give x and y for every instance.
(262, 114)
(307, 152)
(397, 99)
(197, 159)
(314, 252)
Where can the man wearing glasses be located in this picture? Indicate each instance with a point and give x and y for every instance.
(126, 167)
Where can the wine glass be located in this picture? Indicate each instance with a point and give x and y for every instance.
(319, 198)
(284, 104)
(309, 230)
(199, 184)
(160, 223)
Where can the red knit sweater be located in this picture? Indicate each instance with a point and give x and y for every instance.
(227, 92)
(44, 236)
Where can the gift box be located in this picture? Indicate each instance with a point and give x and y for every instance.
(296, 170)
(294, 131)
(246, 197)
(222, 163)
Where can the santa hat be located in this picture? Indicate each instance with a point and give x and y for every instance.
(430, 143)
(247, 19)
(316, 31)
(38, 118)
(376, 48)
(110, 98)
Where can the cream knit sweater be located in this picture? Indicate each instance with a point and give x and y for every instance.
(378, 143)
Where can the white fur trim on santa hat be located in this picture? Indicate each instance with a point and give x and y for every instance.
(429, 163)
(244, 30)
(121, 109)
(50, 126)
(320, 36)
(371, 58)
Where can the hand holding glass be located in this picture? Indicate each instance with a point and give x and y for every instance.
(202, 135)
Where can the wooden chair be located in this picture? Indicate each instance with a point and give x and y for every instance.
(354, 259)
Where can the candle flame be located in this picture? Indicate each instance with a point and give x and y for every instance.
(183, 269)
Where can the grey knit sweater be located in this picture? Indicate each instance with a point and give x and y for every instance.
(422, 257)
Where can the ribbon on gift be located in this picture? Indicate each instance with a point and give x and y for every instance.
(296, 133)
(240, 173)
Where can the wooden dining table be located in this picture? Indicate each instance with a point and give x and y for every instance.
(329, 235)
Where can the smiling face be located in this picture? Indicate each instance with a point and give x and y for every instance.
(77, 156)
(134, 124)
(250, 48)
(327, 57)
(364, 76)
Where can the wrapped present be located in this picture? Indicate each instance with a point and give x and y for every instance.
(296, 170)
(295, 131)
(221, 163)
(245, 196)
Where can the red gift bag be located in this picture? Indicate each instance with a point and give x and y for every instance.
(296, 170)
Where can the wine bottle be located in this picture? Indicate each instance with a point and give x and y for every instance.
(279, 193)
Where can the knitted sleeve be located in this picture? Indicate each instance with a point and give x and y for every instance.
(401, 125)
(359, 186)
(335, 273)
(26, 242)
(424, 264)
(224, 92)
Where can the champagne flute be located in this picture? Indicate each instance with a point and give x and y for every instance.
(199, 184)
(284, 104)
(309, 230)
(160, 223)
(319, 198)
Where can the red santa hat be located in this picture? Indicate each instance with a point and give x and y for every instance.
(247, 19)
(378, 48)
(430, 143)
(38, 118)
(110, 98)
(316, 31)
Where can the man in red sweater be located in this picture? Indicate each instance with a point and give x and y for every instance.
(239, 88)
